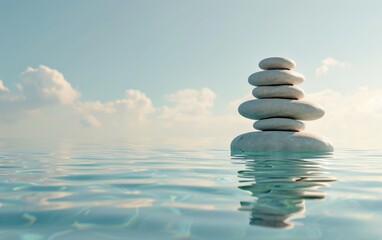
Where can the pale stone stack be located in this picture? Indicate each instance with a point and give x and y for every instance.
(278, 110)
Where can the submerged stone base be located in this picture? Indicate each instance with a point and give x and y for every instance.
(280, 141)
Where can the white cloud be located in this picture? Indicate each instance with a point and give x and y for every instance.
(44, 85)
(135, 104)
(90, 121)
(190, 104)
(3, 88)
(187, 118)
(55, 103)
(132, 110)
(40, 87)
(328, 63)
(350, 119)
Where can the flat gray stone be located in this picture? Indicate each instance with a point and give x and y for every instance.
(275, 77)
(281, 91)
(277, 63)
(280, 141)
(285, 124)
(284, 108)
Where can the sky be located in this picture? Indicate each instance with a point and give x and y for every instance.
(175, 72)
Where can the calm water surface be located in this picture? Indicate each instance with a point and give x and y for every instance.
(83, 190)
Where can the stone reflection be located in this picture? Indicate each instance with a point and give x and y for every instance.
(280, 183)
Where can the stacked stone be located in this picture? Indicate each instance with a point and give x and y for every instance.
(278, 110)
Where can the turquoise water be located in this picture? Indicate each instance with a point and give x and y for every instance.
(88, 190)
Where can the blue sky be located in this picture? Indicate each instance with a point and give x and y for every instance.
(160, 48)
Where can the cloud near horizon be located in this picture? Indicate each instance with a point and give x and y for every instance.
(46, 105)
(350, 119)
(46, 85)
(327, 64)
(40, 87)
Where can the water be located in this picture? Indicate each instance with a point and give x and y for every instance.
(88, 190)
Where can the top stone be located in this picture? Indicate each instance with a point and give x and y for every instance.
(277, 63)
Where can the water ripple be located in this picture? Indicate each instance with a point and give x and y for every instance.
(92, 190)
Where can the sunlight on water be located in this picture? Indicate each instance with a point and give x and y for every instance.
(89, 190)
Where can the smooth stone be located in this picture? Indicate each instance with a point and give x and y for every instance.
(275, 77)
(285, 124)
(276, 107)
(279, 141)
(282, 91)
(277, 63)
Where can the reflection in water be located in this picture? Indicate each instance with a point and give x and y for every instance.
(280, 183)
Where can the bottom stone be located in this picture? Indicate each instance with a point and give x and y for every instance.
(279, 141)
